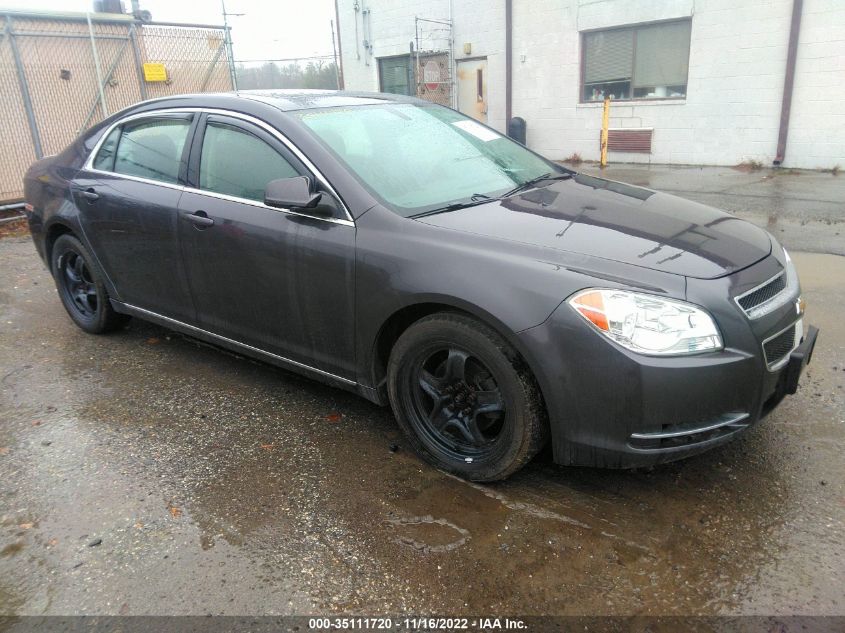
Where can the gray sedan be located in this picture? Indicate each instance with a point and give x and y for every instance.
(403, 251)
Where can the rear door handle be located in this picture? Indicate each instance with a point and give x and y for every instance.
(199, 219)
(90, 194)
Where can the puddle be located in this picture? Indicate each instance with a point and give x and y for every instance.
(427, 534)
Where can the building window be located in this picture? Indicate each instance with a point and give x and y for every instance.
(394, 75)
(638, 62)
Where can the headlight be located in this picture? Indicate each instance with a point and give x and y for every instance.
(791, 274)
(648, 324)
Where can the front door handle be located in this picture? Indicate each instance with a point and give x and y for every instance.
(90, 194)
(199, 219)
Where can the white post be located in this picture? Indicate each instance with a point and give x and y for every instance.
(97, 66)
(228, 39)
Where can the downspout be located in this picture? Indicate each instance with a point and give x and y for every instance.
(366, 29)
(508, 61)
(789, 79)
(453, 66)
(357, 41)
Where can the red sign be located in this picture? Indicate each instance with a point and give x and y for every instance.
(431, 75)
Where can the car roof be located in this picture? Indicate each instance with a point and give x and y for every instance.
(289, 100)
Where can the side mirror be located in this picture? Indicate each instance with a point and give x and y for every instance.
(291, 193)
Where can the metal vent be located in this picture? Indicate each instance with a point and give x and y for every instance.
(764, 293)
(637, 140)
(779, 346)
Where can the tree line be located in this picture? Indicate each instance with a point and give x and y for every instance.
(315, 74)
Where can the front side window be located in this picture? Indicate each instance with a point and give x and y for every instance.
(152, 149)
(236, 163)
(641, 62)
(395, 75)
(418, 158)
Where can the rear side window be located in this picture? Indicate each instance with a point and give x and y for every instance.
(105, 156)
(152, 149)
(236, 163)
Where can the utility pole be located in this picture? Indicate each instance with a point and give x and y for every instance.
(228, 35)
(334, 56)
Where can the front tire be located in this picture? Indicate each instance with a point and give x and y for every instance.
(81, 287)
(465, 399)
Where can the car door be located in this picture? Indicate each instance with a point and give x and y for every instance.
(275, 279)
(129, 197)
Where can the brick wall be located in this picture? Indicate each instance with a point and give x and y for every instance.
(392, 26)
(817, 123)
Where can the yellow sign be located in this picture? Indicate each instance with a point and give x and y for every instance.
(155, 72)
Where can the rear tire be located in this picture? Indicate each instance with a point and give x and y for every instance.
(81, 288)
(464, 398)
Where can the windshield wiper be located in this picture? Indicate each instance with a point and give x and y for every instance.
(533, 181)
(480, 198)
(475, 199)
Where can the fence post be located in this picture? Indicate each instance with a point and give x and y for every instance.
(27, 100)
(97, 67)
(136, 51)
(231, 55)
(103, 81)
(212, 65)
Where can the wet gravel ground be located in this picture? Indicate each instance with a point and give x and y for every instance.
(145, 473)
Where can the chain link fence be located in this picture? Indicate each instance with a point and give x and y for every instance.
(433, 77)
(433, 61)
(63, 73)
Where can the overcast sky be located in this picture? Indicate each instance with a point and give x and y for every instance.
(269, 29)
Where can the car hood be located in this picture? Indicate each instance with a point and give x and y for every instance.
(601, 218)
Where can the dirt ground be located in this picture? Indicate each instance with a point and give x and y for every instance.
(145, 473)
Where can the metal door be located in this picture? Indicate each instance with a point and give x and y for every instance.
(273, 279)
(472, 88)
(128, 211)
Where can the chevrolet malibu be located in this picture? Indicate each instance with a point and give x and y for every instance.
(398, 249)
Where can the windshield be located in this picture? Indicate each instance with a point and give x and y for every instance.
(418, 158)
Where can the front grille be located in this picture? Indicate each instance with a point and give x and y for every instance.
(763, 293)
(778, 347)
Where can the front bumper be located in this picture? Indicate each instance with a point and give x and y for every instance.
(614, 408)
(681, 439)
(619, 415)
(798, 360)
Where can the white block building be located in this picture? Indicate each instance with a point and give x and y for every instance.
(692, 81)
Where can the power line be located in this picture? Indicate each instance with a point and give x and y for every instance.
(285, 59)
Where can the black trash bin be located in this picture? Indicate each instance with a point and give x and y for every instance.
(516, 129)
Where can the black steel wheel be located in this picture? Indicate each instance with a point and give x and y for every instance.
(464, 398)
(457, 402)
(78, 285)
(81, 287)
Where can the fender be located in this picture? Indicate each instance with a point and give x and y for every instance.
(372, 365)
(66, 220)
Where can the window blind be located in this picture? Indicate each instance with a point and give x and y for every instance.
(608, 55)
(394, 75)
(662, 55)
